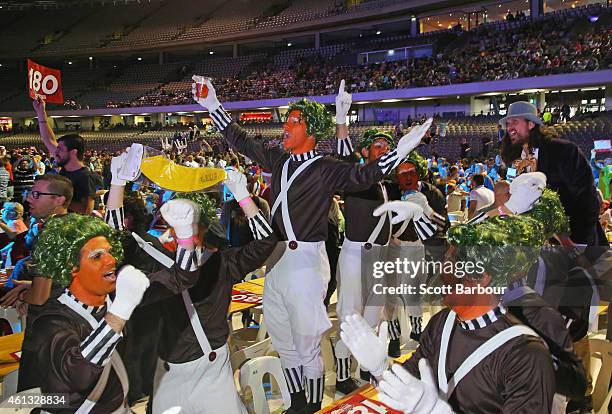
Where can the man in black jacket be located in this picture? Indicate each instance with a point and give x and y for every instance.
(567, 170)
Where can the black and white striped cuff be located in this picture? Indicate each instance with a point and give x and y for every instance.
(186, 259)
(389, 161)
(482, 216)
(260, 227)
(220, 118)
(345, 147)
(314, 389)
(98, 347)
(114, 218)
(294, 378)
(343, 369)
(424, 227)
(395, 331)
(416, 324)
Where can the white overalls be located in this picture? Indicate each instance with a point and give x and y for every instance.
(295, 287)
(350, 287)
(203, 386)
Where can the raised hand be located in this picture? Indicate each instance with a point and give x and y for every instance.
(343, 104)
(183, 215)
(210, 101)
(369, 349)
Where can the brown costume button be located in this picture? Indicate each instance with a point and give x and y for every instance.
(166, 366)
(212, 356)
(293, 245)
(368, 246)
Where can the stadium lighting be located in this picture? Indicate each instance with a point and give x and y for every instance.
(139, 59)
(378, 32)
(0, 65)
(289, 44)
(211, 53)
(91, 58)
(70, 62)
(391, 52)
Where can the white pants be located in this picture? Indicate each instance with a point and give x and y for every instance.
(414, 252)
(198, 387)
(350, 289)
(294, 312)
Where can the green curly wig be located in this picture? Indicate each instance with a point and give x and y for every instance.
(59, 244)
(549, 211)
(506, 245)
(372, 135)
(419, 162)
(208, 208)
(319, 122)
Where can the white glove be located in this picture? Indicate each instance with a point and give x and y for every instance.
(525, 191)
(401, 391)
(404, 210)
(236, 182)
(367, 348)
(130, 287)
(211, 103)
(412, 139)
(116, 164)
(419, 199)
(343, 104)
(182, 215)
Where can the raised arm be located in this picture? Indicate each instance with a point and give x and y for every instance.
(343, 105)
(234, 135)
(46, 133)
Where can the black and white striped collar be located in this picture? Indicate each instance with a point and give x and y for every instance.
(93, 310)
(304, 157)
(485, 320)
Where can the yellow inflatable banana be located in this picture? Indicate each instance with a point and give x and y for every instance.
(175, 177)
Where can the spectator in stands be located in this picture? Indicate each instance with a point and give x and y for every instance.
(11, 221)
(5, 177)
(480, 196)
(566, 168)
(68, 150)
(23, 179)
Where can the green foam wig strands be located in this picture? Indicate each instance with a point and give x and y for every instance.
(372, 135)
(319, 122)
(59, 244)
(506, 245)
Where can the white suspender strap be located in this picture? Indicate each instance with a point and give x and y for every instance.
(195, 323)
(402, 228)
(282, 197)
(382, 219)
(446, 331)
(64, 299)
(153, 252)
(540, 282)
(483, 351)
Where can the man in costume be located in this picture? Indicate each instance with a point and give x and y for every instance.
(194, 357)
(567, 170)
(298, 273)
(484, 360)
(76, 335)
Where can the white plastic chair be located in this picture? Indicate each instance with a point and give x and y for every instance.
(12, 317)
(602, 349)
(259, 349)
(251, 376)
(9, 385)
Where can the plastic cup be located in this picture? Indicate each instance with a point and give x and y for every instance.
(201, 90)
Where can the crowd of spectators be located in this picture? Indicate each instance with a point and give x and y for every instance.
(491, 52)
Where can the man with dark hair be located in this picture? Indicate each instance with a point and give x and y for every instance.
(566, 168)
(68, 151)
(480, 196)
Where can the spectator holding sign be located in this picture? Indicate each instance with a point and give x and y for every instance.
(68, 151)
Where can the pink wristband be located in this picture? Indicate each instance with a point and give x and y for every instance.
(183, 242)
(244, 201)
